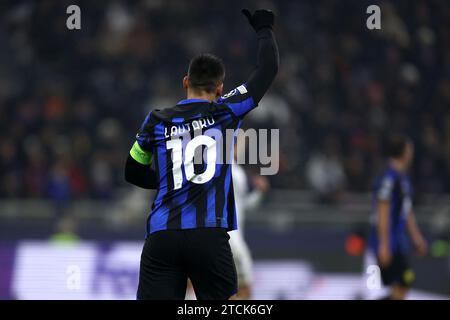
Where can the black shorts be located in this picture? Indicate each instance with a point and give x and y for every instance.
(398, 272)
(203, 255)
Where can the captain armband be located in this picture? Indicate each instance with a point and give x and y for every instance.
(140, 155)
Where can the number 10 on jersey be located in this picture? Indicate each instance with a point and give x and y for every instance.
(186, 160)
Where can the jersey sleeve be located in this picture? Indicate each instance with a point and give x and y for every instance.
(384, 192)
(239, 100)
(409, 194)
(142, 147)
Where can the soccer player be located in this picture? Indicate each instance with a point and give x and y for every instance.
(194, 204)
(393, 219)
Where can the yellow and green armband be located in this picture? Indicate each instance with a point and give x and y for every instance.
(140, 155)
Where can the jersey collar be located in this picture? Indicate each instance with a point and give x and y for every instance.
(187, 101)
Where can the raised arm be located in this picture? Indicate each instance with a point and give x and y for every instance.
(267, 57)
(245, 97)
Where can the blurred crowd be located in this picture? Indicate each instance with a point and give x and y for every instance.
(71, 101)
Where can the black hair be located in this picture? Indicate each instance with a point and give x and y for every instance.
(206, 72)
(395, 145)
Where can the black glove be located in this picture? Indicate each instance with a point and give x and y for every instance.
(260, 19)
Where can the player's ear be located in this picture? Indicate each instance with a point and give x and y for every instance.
(219, 90)
(185, 82)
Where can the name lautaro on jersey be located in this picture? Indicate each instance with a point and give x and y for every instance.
(194, 125)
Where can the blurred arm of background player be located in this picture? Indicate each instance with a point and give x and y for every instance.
(261, 186)
(384, 250)
(416, 236)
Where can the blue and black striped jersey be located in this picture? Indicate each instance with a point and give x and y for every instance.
(394, 187)
(191, 147)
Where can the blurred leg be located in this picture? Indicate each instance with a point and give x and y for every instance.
(399, 292)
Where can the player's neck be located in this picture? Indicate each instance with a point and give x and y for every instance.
(203, 96)
(398, 165)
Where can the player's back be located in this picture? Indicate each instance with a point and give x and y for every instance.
(200, 194)
(192, 145)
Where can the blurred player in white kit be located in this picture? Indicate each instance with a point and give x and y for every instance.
(245, 199)
(248, 193)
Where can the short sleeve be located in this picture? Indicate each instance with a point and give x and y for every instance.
(385, 189)
(238, 100)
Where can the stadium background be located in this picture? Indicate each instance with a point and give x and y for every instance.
(71, 102)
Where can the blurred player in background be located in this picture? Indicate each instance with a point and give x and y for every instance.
(246, 198)
(194, 206)
(393, 219)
